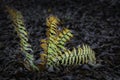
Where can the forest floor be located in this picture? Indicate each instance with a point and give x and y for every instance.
(93, 22)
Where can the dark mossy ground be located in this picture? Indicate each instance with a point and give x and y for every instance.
(94, 22)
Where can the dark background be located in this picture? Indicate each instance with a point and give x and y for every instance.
(94, 22)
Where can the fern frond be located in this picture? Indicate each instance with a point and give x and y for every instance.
(19, 26)
(59, 37)
(22, 33)
(64, 36)
(81, 55)
(56, 38)
(52, 23)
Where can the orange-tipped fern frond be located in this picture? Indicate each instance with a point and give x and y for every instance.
(52, 23)
(18, 23)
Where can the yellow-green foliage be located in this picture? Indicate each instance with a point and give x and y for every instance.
(19, 26)
(18, 23)
(55, 53)
(81, 55)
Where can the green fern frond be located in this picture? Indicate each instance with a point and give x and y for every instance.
(81, 55)
(18, 23)
(64, 36)
(19, 26)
